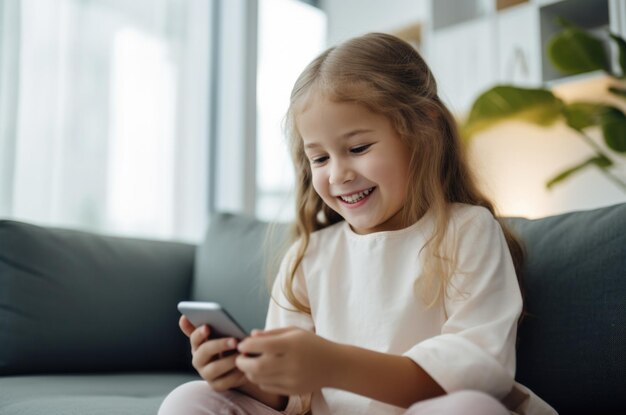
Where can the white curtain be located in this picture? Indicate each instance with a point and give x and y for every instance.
(104, 110)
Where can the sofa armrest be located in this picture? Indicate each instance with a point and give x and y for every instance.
(73, 301)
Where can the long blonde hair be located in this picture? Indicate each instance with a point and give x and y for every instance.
(388, 76)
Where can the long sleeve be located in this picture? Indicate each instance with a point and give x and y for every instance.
(282, 314)
(476, 346)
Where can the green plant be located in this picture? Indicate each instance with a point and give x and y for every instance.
(571, 51)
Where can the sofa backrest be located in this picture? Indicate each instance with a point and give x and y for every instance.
(65, 298)
(74, 301)
(572, 343)
(236, 263)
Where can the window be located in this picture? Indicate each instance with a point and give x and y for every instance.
(291, 34)
(104, 107)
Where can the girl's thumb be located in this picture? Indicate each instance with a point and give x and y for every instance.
(272, 332)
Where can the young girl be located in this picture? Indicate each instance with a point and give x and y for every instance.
(400, 290)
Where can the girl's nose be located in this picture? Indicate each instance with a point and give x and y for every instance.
(340, 173)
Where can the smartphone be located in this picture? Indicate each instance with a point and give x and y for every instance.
(212, 314)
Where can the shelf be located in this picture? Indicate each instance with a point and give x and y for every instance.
(447, 13)
(475, 44)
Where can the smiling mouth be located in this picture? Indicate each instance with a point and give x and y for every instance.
(355, 197)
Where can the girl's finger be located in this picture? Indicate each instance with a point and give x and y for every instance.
(265, 343)
(186, 326)
(199, 336)
(230, 380)
(215, 369)
(210, 352)
(259, 332)
(260, 369)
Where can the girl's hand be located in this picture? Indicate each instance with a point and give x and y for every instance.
(211, 358)
(289, 361)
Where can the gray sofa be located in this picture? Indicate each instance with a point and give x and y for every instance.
(88, 323)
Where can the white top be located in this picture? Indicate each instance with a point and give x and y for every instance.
(361, 291)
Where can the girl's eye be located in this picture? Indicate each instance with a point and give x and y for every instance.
(360, 149)
(319, 160)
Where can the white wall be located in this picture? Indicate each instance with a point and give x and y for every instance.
(349, 18)
(513, 161)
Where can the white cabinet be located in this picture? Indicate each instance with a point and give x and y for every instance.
(463, 60)
(518, 46)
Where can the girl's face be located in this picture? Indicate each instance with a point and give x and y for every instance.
(360, 166)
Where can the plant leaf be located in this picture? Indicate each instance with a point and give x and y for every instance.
(598, 161)
(581, 115)
(573, 51)
(621, 46)
(613, 123)
(505, 102)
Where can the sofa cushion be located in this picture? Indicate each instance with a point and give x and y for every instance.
(119, 394)
(73, 301)
(572, 343)
(234, 264)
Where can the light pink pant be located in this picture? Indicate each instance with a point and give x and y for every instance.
(197, 398)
